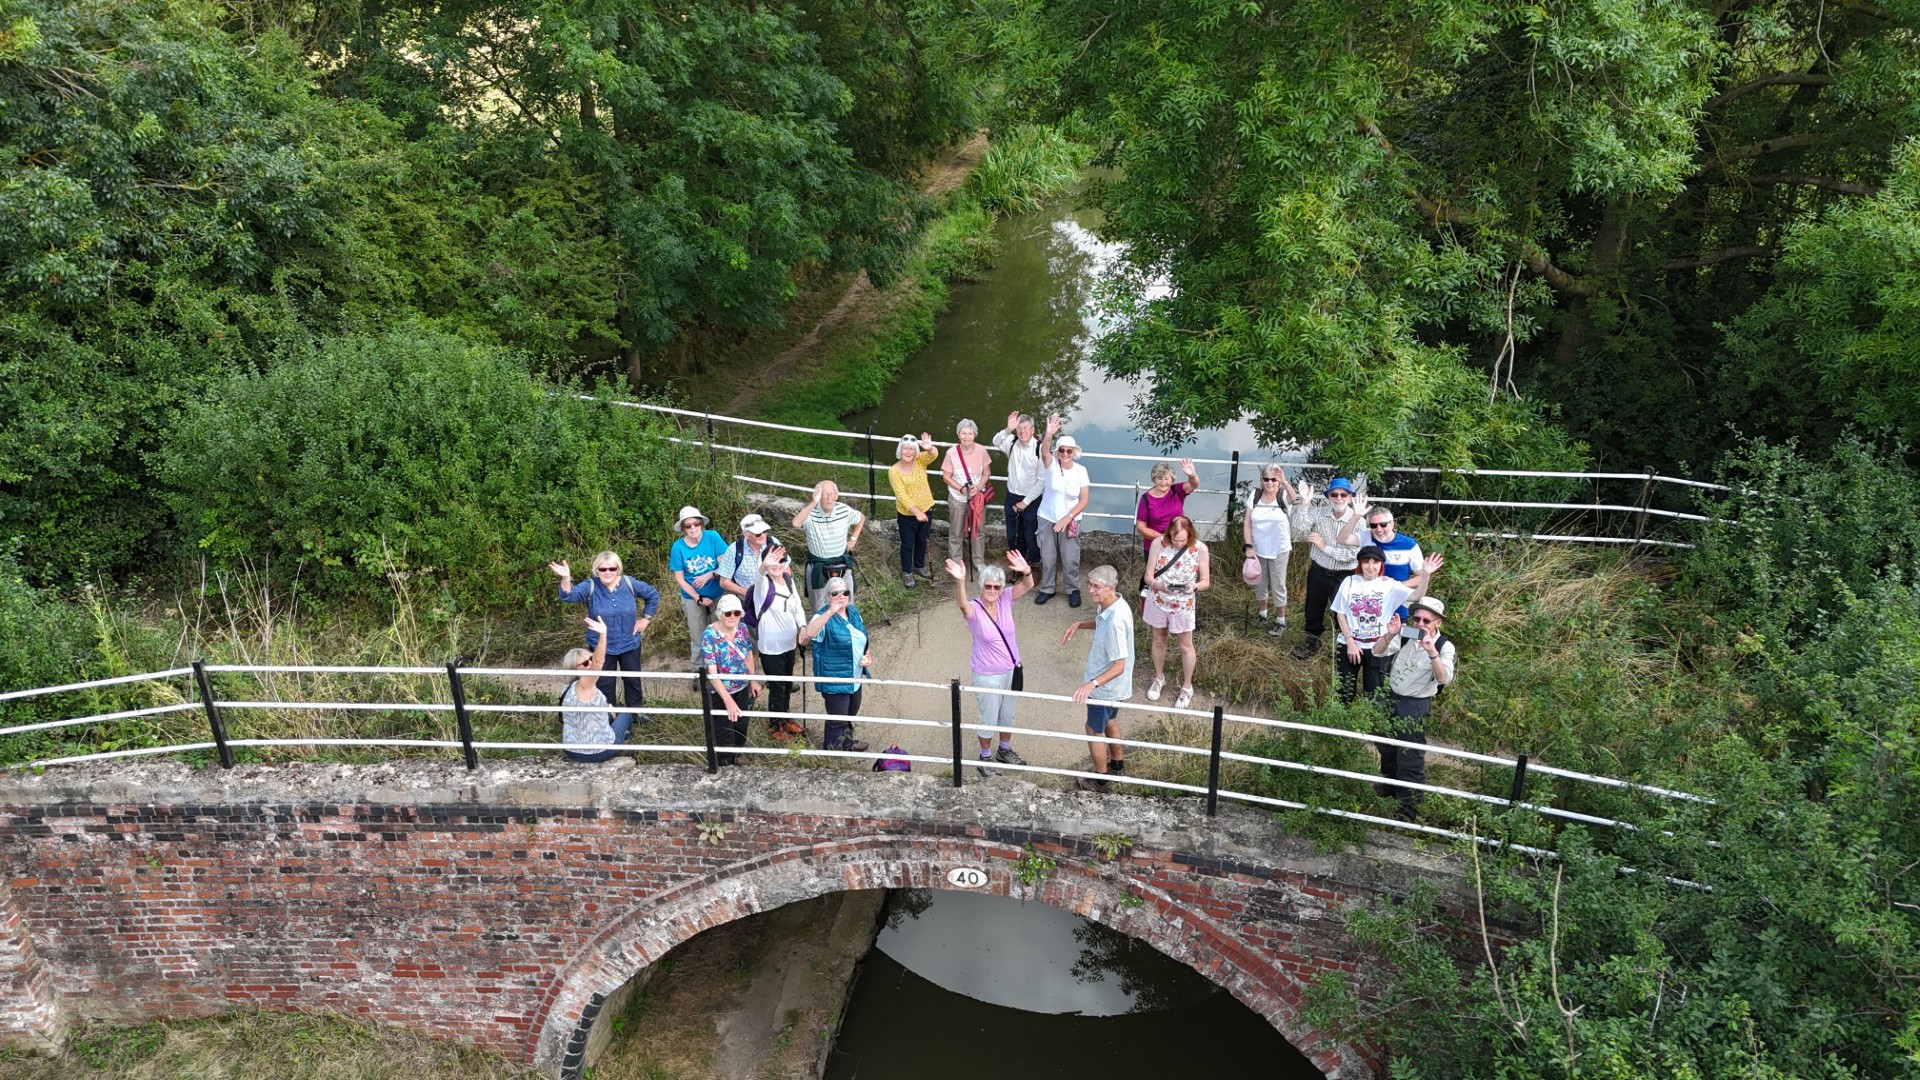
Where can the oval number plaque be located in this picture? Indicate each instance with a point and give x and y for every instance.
(966, 877)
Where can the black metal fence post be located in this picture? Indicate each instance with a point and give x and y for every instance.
(1439, 481)
(213, 714)
(872, 505)
(1233, 494)
(959, 762)
(1213, 762)
(1517, 792)
(460, 717)
(713, 456)
(706, 722)
(1646, 496)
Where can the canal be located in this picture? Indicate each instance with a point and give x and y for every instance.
(959, 985)
(1021, 338)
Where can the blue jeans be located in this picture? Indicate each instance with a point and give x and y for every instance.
(622, 723)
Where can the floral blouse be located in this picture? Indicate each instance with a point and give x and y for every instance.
(1173, 590)
(726, 655)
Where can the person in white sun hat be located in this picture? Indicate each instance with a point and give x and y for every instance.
(1423, 661)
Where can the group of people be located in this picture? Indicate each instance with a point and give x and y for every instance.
(746, 615)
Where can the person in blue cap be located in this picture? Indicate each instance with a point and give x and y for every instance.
(1330, 560)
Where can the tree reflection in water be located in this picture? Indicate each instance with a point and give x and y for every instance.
(1140, 969)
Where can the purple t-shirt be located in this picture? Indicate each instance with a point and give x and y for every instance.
(1158, 512)
(990, 654)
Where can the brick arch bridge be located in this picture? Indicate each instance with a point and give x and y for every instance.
(502, 908)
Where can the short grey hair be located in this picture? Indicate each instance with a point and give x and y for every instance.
(575, 657)
(1274, 469)
(907, 442)
(1160, 469)
(993, 575)
(1025, 418)
(1104, 576)
(965, 426)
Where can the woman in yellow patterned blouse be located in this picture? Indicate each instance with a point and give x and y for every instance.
(912, 500)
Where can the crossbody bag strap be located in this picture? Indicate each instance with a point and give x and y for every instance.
(1184, 548)
(1011, 654)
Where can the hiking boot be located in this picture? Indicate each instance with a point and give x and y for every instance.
(1073, 598)
(1116, 766)
(1307, 649)
(981, 769)
(1006, 756)
(855, 745)
(779, 733)
(1088, 783)
(1042, 597)
(907, 580)
(1279, 627)
(924, 572)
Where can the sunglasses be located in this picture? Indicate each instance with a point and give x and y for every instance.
(1340, 495)
(984, 588)
(1269, 479)
(606, 569)
(1379, 524)
(690, 525)
(729, 614)
(1426, 620)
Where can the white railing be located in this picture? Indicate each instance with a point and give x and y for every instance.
(1638, 514)
(202, 698)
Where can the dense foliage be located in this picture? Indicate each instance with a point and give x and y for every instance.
(1377, 224)
(194, 189)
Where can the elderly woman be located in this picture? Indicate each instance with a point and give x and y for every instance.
(839, 638)
(1267, 531)
(626, 605)
(996, 649)
(596, 728)
(775, 608)
(726, 650)
(969, 486)
(832, 529)
(1177, 572)
(1164, 501)
(1065, 491)
(912, 499)
(695, 562)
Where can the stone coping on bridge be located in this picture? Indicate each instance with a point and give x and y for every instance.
(1239, 834)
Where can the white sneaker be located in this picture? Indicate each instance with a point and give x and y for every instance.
(1263, 615)
(1154, 688)
(1185, 699)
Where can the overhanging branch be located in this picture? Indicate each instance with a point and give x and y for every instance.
(1438, 210)
(1784, 78)
(1770, 146)
(1695, 262)
(1846, 187)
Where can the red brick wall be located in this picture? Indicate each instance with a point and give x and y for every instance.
(504, 926)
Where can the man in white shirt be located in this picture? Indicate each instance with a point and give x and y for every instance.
(1026, 468)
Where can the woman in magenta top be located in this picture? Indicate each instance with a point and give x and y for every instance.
(1164, 502)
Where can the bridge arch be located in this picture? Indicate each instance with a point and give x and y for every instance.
(647, 932)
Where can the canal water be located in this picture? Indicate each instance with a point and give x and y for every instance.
(962, 985)
(1021, 338)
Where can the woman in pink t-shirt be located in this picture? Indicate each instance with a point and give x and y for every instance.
(1165, 501)
(996, 649)
(969, 486)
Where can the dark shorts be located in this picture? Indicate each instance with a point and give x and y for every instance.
(1098, 716)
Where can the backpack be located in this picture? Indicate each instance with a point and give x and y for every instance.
(749, 614)
(888, 762)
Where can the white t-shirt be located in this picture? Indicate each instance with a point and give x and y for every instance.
(1023, 463)
(1368, 605)
(779, 629)
(1272, 532)
(1063, 487)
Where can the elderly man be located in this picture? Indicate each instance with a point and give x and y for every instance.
(740, 566)
(1026, 468)
(1405, 561)
(1331, 560)
(1109, 673)
(832, 528)
(1419, 666)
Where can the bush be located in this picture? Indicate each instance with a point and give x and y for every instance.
(415, 455)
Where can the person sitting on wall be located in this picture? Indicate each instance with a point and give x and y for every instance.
(1417, 668)
(598, 728)
(832, 528)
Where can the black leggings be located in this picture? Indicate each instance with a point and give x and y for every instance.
(779, 692)
(1322, 583)
(913, 542)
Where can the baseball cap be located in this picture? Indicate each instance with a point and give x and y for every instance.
(1371, 552)
(753, 523)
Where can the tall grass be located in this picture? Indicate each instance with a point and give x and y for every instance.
(1024, 167)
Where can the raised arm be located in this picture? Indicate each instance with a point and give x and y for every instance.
(1193, 476)
(958, 570)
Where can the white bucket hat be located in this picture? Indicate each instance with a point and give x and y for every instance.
(691, 512)
(1065, 442)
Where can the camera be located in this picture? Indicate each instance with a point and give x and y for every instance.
(1413, 633)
